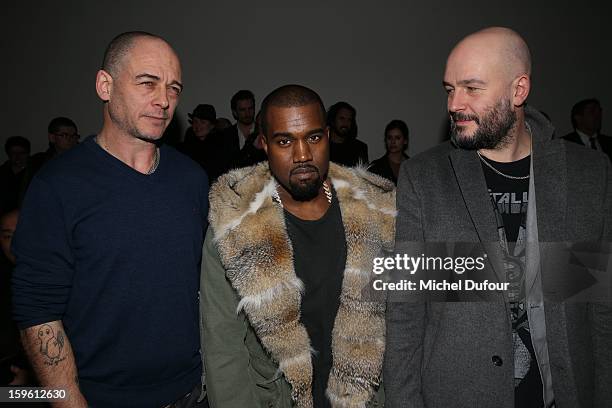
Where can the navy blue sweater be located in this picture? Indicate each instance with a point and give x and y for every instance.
(114, 255)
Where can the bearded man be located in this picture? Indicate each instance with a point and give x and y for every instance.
(286, 321)
(344, 148)
(512, 348)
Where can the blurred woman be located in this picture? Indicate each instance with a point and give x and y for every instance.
(396, 144)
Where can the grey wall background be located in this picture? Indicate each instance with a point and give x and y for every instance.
(385, 58)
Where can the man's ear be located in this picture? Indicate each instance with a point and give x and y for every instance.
(51, 137)
(264, 143)
(104, 85)
(521, 87)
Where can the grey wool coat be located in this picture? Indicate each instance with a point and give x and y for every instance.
(460, 354)
(256, 351)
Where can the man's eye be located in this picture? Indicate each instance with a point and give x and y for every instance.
(314, 138)
(471, 89)
(449, 90)
(148, 84)
(175, 90)
(284, 142)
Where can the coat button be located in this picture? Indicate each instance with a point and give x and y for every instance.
(497, 361)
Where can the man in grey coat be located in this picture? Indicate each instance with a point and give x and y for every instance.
(518, 348)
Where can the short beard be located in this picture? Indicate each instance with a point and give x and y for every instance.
(305, 191)
(493, 130)
(344, 133)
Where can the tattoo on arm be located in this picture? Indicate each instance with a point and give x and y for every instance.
(51, 345)
(48, 348)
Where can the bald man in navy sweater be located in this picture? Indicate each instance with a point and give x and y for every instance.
(108, 247)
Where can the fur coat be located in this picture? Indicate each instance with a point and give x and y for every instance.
(255, 251)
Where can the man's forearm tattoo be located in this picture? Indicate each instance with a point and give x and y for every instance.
(51, 344)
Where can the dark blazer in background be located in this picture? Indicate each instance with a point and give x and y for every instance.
(249, 154)
(217, 154)
(350, 153)
(382, 167)
(604, 141)
(232, 138)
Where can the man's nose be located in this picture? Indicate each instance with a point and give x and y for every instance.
(301, 152)
(456, 101)
(161, 97)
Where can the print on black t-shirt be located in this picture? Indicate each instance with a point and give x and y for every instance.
(509, 198)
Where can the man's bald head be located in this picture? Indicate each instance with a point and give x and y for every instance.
(140, 84)
(487, 79)
(500, 46)
(120, 46)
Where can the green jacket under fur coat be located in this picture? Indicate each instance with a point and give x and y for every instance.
(256, 352)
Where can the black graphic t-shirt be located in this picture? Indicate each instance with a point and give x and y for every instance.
(509, 198)
(510, 195)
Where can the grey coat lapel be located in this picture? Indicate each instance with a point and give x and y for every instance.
(545, 221)
(471, 181)
(551, 189)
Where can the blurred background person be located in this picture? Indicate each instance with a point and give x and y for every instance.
(14, 367)
(396, 145)
(207, 145)
(243, 110)
(223, 123)
(15, 173)
(199, 143)
(63, 135)
(344, 148)
(252, 152)
(586, 120)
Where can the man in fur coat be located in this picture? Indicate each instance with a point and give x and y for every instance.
(287, 319)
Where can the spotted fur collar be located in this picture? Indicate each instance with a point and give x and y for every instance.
(255, 249)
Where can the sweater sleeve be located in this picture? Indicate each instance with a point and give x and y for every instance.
(43, 275)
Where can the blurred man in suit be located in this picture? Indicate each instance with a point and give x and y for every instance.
(586, 120)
